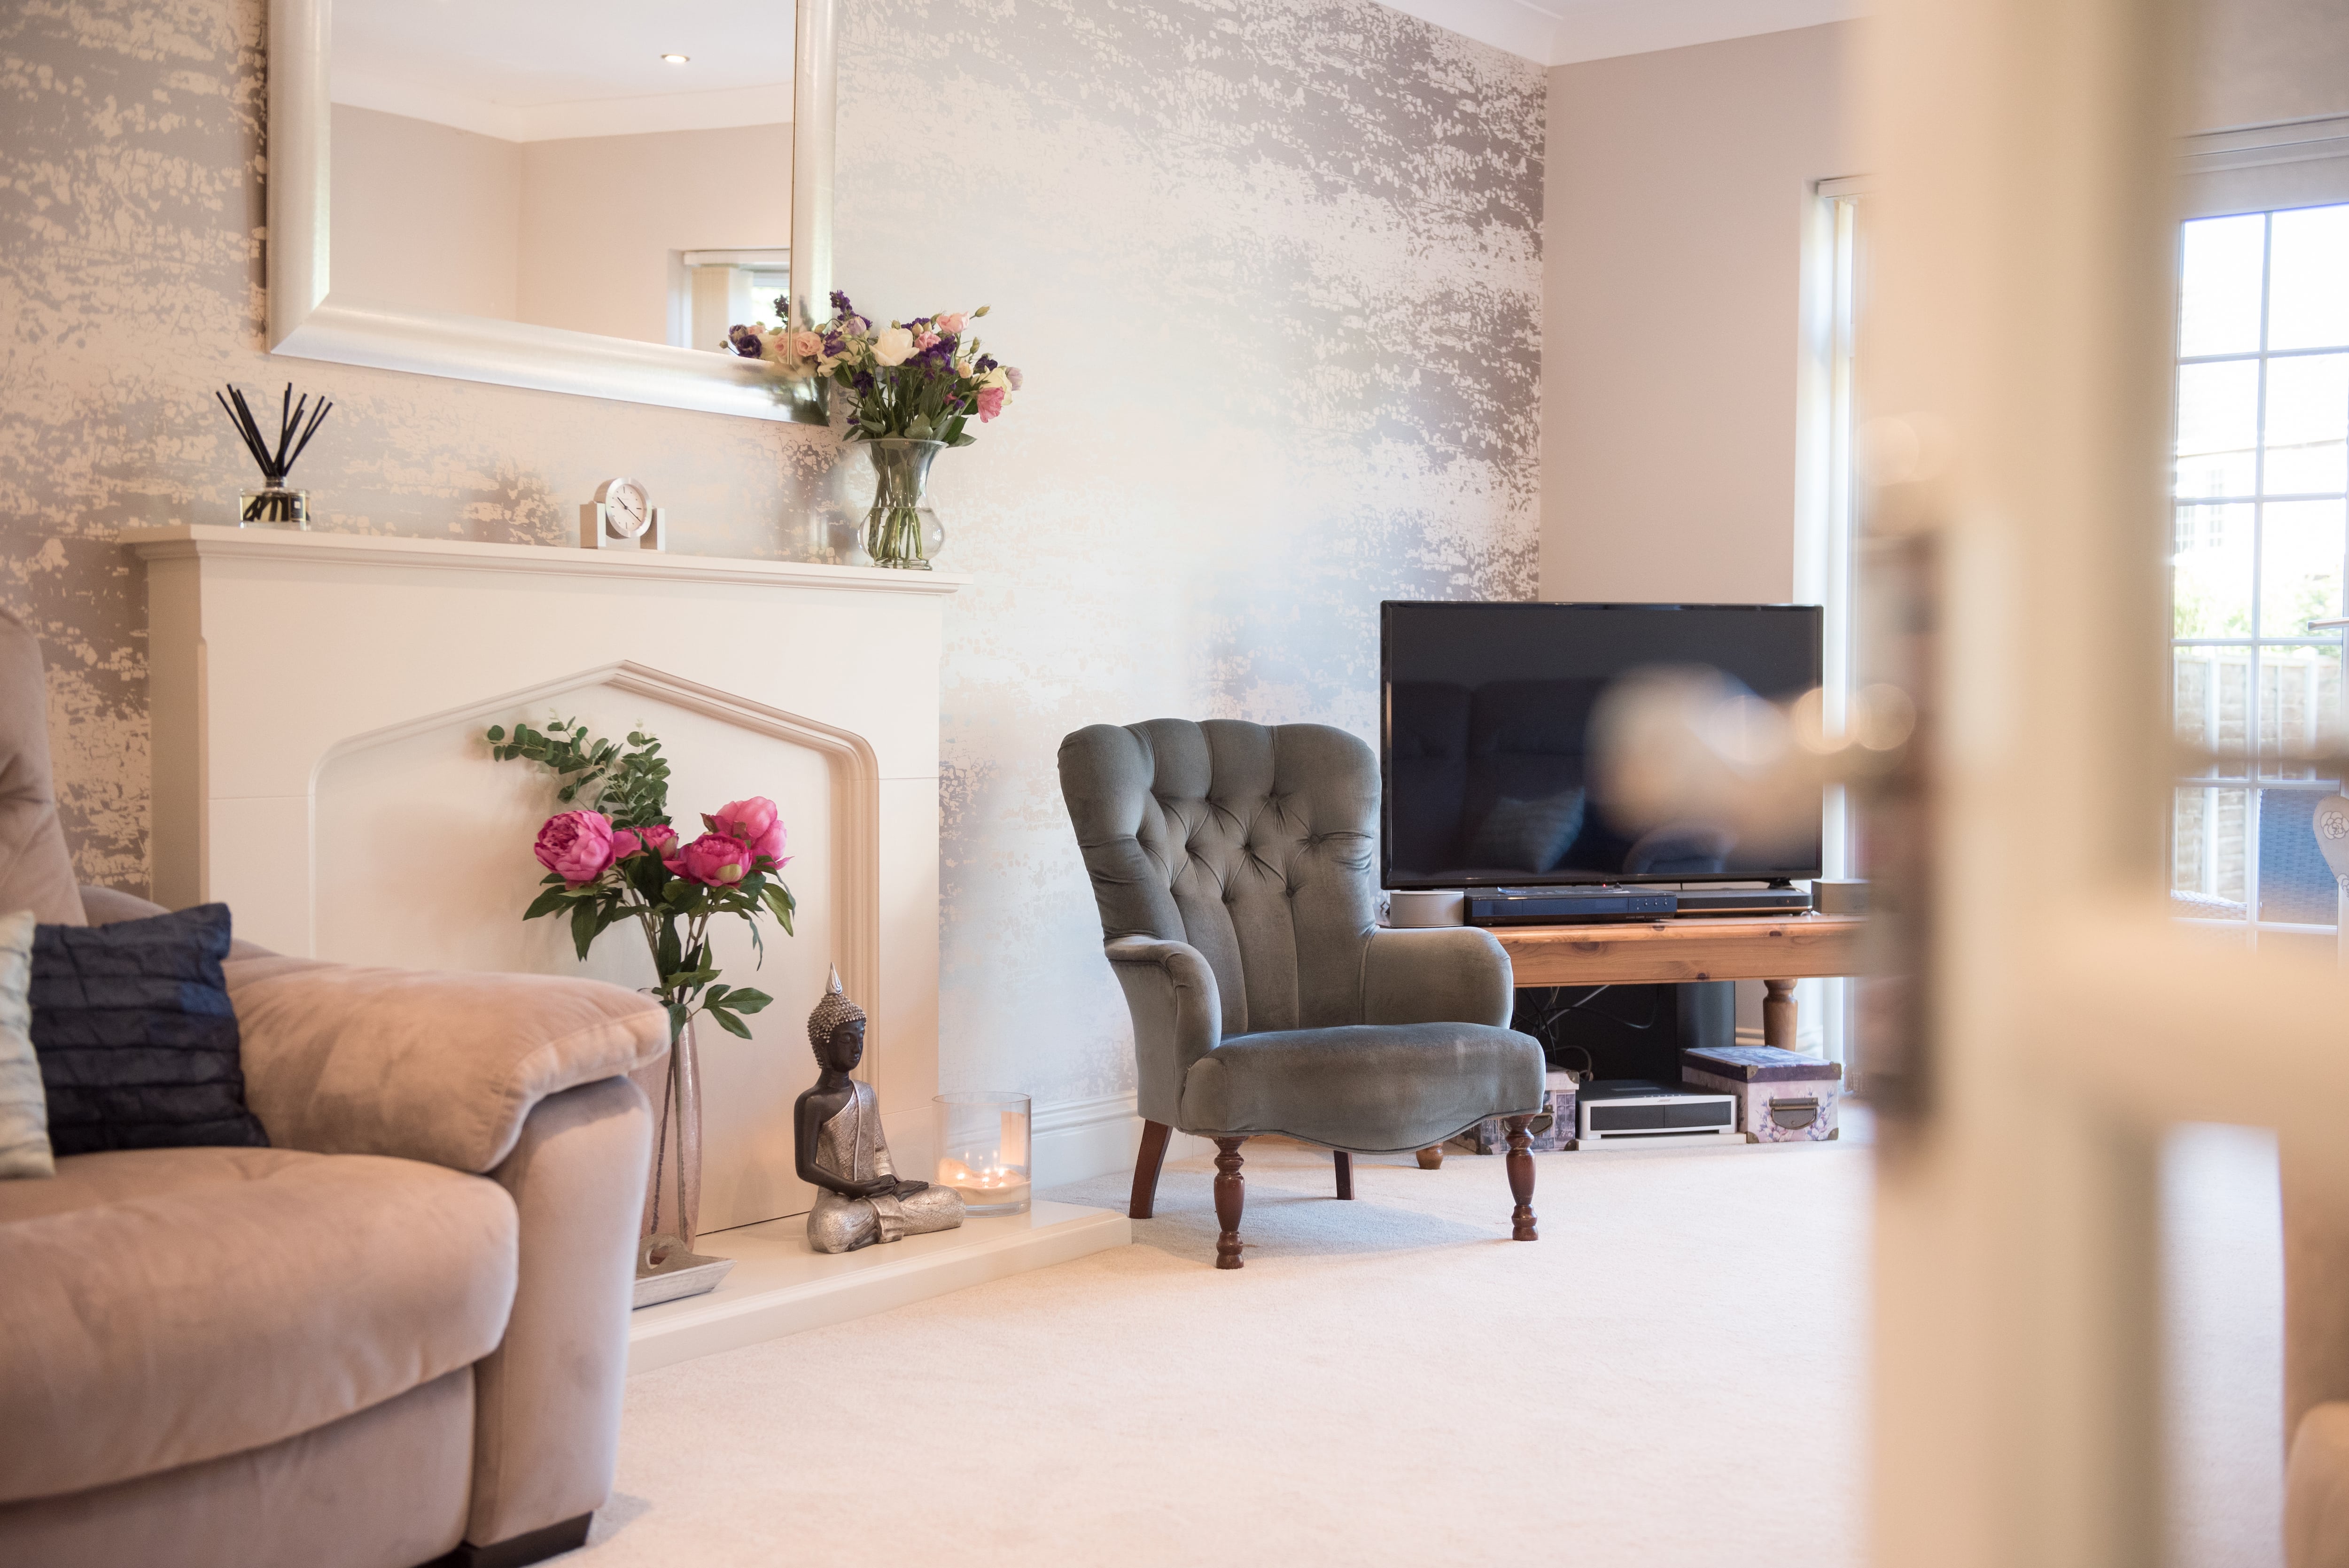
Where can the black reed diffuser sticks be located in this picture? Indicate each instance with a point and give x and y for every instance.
(273, 503)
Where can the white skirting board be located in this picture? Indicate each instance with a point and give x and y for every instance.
(779, 1286)
(1076, 1139)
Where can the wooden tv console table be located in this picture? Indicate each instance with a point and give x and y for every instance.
(1775, 949)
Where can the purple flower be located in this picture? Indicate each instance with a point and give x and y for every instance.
(744, 342)
(982, 365)
(1011, 373)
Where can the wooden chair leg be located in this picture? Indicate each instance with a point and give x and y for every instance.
(1345, 1162)
(1230, 1193)
(1431, 1159)
(1146, 1161)
(1521, 1181)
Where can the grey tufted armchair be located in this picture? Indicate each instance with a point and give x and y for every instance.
(1232, 865)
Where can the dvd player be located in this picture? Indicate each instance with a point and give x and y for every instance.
(1569, 905)
(1744, 900)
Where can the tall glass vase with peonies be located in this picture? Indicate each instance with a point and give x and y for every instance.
(911, 387)
(614, 858)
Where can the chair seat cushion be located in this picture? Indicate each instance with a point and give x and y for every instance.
(168, 1305)
(1378, 1088)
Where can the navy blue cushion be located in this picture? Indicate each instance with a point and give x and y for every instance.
(137, 1040)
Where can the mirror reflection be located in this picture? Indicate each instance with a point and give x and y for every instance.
(596, 165)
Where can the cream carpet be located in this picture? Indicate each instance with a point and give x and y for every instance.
(1673, 1374)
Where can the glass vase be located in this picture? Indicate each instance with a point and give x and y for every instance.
(983, 1149)
(673, 1193)
(274, 507)
(901, 529)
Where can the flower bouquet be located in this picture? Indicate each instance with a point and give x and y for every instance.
(614, 858)
(912, 388)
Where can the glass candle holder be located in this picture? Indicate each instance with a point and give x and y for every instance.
(983, 1149)
(274, 507)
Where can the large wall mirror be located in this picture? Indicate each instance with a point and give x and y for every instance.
(574, 195)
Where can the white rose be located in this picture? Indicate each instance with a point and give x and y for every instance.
(995, 377)
(893, 345)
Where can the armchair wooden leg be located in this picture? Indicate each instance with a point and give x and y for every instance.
(1431, 1159)
(1146, 1161)
(1230, 1193)
(1521, 1181)
(1345, 1162)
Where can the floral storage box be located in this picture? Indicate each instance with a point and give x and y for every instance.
(1782, 1097)
(1491, 1136)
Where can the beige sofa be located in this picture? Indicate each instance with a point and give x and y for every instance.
(395, 1337)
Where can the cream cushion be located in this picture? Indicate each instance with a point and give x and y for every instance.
(24, 1104)
(165, 1306)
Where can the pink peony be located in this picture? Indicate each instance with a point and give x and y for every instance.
(990, 403)
(952, 323)
(627, 842)
(714, 860)
(807, 345)
(575, 846)
(756, 823)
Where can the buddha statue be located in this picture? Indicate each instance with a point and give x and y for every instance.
(842, 1152)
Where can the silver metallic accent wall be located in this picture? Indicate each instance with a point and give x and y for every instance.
(1272, 271)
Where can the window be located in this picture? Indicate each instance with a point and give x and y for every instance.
(2260, 545)
(1827, 553)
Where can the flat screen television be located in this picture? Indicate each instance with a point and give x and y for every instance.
(1483, 719)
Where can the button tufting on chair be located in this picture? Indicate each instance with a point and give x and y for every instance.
(1334, 1030)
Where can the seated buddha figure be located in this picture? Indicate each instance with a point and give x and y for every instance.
(842, 1152)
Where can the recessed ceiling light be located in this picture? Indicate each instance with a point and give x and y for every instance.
(677, 59)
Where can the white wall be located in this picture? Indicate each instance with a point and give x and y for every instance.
(424, 214)
(601, 216)
(2263, 60)
(578, 232)
(1677, 188)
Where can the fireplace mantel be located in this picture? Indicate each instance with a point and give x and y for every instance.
(182, 541)
(317, 701)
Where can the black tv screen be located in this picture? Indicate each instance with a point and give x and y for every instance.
(1484, 714)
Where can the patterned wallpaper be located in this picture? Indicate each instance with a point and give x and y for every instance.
(1272, 269)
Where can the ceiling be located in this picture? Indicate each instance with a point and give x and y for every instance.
(525, 70)
(530, 69)
(1560, 32)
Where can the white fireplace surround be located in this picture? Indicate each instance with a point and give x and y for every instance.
(317, 702)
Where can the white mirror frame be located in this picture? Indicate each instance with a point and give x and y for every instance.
(306, 322)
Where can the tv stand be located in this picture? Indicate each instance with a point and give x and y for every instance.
(1776, 950)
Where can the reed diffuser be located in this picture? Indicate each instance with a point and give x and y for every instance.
(274, 505)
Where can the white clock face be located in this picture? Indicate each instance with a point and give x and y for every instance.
(627, 509)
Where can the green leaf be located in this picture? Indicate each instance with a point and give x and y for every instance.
(583, 924)
(547, 902)
(743, 999)
(731, 1024)
(497, 733)
(717, 994)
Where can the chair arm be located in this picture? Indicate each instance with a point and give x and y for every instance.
(437, 1067)
(1178, 1017)
(1446, 974)
(546, 1401)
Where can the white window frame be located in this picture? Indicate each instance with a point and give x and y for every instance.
(1826, 528)
(2244, 171)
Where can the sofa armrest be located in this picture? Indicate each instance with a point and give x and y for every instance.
(1178, 1017)
(546, 1401)
(2316, 1490)
(437, 1067)
(1445, 974)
